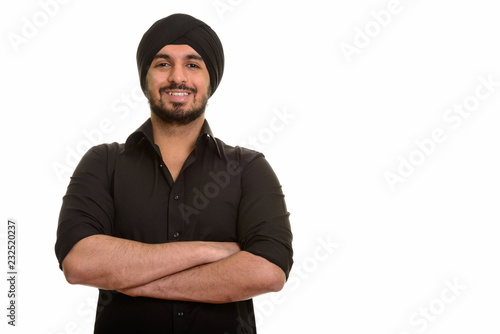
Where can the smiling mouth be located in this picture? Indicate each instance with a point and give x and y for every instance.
(177, 94)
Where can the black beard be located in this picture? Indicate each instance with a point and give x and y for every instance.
(175, 114)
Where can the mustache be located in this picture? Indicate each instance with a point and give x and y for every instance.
(175, 86)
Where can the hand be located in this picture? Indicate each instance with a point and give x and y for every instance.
(217, 251)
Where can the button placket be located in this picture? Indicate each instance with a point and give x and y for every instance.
(175, 226)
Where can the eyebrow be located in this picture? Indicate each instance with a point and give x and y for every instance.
(188, 56)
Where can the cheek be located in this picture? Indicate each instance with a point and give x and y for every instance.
(153, 84)
(203, 84)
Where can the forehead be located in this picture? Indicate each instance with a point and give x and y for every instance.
(178, 51)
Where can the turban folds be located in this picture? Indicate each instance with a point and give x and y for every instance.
(182, 29)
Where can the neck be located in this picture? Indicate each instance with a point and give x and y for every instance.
(175, 138)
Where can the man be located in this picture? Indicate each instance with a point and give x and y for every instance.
(177, 229)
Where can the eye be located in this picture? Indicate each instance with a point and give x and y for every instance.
(193, 66)
(162, 65)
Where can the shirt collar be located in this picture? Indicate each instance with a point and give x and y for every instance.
(145, 131)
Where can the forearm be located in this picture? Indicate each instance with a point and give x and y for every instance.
(238, 277)
(113, 263)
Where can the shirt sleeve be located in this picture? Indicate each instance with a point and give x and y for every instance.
(87, 207)
(263, 219)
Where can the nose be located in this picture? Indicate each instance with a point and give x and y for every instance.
(177, 74)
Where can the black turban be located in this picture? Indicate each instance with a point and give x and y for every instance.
(182, 29)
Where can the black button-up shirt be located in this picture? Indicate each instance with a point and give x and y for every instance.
(222, 193)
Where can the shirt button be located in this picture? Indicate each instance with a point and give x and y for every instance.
(180, 314)
(161, 165)
(176, 235)
(176, 197)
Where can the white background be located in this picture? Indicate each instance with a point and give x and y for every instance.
(354, 118)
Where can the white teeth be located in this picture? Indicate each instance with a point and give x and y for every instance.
(177, 94)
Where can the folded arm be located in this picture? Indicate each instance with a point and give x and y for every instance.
(238, 277)
(112, 263)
